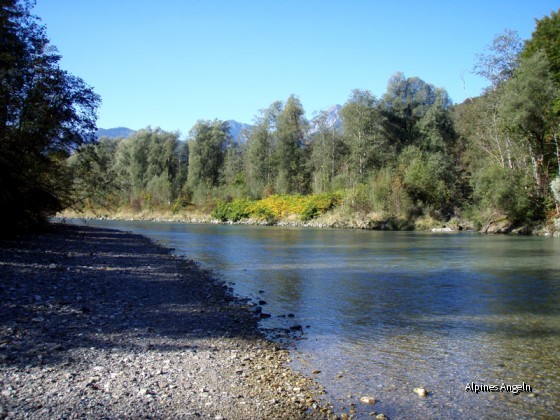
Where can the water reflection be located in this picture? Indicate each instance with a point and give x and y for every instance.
(392, 311)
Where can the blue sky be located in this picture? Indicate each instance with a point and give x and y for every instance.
(172, 62)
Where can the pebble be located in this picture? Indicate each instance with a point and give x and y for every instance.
(120, 352)
(420, 391)
(367, 400)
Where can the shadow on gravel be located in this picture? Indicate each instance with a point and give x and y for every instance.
(82, 287)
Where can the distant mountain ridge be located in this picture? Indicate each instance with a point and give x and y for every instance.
(239, 131)
(329, 118)
(115, 133)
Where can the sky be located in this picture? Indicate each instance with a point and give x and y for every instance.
(169, 63)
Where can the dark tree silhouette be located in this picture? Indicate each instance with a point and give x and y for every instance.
(45, 114)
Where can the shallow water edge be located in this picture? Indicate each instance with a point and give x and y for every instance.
(105, 323)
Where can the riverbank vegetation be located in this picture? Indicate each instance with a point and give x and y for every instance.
(410, 156)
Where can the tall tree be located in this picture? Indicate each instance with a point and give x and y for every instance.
(207, 147)
(163, 165)
(260, 160)
(527, 107)
(501, 59)
(327, 151)
(95, 176)
(436, 129)
(406, 101)
(367, 144)
(291, 129)
(233, 173)
(481, 124)
(45, 113)
(546, 38)
(180, 182)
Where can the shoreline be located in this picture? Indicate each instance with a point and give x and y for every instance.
(106, 323)
(327, 221)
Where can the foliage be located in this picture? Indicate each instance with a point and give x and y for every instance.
(406, 101)
(260, 157)
(526, 108)
(368, 149)
(207, 148)
(277, 207)
(328, 152)
(408, 156)
(45, 114)
(290, 132)
(506, 192)
(545, 39)
(501, 59)
(94, 174)
(234, 211)
(427, 178)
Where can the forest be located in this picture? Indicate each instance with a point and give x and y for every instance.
(409, 156)
(408, 159)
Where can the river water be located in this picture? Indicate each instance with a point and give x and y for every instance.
(383, 313)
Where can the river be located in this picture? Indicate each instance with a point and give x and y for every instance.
(383, 313)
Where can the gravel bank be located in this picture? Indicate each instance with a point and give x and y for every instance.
(101, 323)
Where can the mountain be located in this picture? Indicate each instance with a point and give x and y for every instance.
(329, 117)
(114, 133)
(237, 130)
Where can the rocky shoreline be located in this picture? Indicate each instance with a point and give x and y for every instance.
(101, 323)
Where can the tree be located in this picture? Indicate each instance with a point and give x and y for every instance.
(546, 38)
(291, 129)
(180, 182)
(498, 65)
(207, 147)
(406, 101)
(527, 106)
(45, 114)
(122, 166)
(436, 130)
(327, 151)
(147, 167)
(95, 177)
(502, 58)
(233, 173)
(428, 179)
(260, 159)
(163, 164)
(367, 145)
(502, 191)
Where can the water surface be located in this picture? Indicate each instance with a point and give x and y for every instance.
(391, 311)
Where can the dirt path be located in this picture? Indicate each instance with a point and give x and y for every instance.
(101, 323)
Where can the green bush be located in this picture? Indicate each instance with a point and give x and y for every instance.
(508, 192)
(234, 211)
(427, 178)
(310, 212)
(277, 206)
